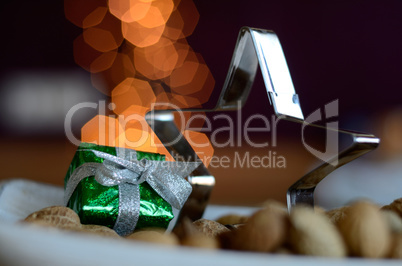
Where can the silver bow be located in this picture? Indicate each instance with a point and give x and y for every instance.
(124, 170)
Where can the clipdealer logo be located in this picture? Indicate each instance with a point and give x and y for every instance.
(331, 111)
(246, 160)
(234, 136)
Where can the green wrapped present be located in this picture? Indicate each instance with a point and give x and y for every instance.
(125, 189)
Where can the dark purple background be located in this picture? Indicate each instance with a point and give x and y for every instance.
(346, 50)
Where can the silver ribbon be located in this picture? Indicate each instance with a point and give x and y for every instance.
(124, 170)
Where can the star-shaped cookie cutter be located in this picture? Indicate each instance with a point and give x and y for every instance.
(255, 47)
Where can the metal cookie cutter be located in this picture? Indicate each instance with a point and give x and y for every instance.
(255, 47)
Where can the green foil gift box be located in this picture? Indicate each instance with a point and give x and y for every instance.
(125, 189)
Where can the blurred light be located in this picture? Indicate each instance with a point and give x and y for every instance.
(140, 35)
(158, 14)
(183, 76)
(106, 36)
(108, 79)
(203, 84)
(90, 59)
(138, 54)
(183, 49)
(202, 181)
(163, 97)
(368, 140)
(133, 92)
(84, 55)
(152, 19)
(190, 16)
(95, 17)
(36, 103)
(103, 62)
(174, 27)
(139, 136)
(101, 130)
(163, 116)
(165, 8)
(84, 13)
(129, 10)
(156, 61)
(137, 139)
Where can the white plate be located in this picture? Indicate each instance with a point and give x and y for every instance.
(27, 245)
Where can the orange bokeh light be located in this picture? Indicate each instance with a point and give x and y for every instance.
(106, 36)
(85, 13)
(110, 131)
(141, 36)
(166, 8)
(103, 62)
(187, 64)
(90, 59)
(95, 17)
(158, 14)
(133, 92)
(137, 139)
(205, 77)
(137, 52)
(158, 88)
(190, 15)
(156, 61)
(182, 76)
(107, 80)
(152, 19)
(174, 26)
(163, 99)
(139, 136)
(192, 78)
(183, 51)
(101, 130)
(129, 10)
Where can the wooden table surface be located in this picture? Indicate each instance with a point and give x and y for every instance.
(47, 161)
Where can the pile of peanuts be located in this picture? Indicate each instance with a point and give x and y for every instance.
(361, 229)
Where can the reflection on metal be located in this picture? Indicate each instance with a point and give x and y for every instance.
(254, 47)
(303, 190)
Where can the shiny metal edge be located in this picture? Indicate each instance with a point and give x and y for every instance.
(253, 47)
(302, 191)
